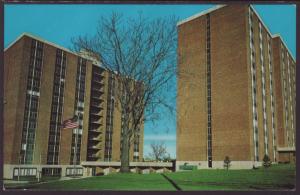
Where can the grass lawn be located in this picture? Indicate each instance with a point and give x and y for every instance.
(114, 181)
(277, 177)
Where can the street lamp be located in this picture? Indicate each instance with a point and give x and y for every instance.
(19, 172)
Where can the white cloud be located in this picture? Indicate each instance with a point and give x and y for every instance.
(158, 137)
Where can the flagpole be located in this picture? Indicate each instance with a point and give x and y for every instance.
(75, 156)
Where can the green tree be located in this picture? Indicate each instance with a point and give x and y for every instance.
(227, 162)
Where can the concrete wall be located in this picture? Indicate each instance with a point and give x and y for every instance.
(231, 128)
(219, 164)
(8, 169)
(280, 67)
(191, 88)
(16, 61)
(230, 87)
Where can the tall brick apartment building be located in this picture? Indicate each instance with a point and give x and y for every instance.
(236, 90)
(45, 84)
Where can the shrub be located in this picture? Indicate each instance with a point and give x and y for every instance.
(227, 162)
(266, 161)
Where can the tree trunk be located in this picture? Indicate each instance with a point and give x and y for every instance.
(125, 155)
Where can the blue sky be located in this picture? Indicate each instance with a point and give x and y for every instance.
(58, 23)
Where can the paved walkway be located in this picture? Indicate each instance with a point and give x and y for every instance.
(172, 182)
(13, 181)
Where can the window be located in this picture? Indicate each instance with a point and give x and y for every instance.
(24, 171)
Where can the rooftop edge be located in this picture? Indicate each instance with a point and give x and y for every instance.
(52, 44)
(202, 13)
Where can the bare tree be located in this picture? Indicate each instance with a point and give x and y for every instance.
(159, 151)
(141, 53)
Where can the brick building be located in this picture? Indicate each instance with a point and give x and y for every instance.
(236, 90)
(45, 84)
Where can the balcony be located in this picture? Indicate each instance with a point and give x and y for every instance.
(97, 147)
(98, 89)
(98, 80)
(97, 94)
(94, 126)
(99, 121)
(95, 130)
(95, 110)
(99, 73)
(95, 117)
(93, 156)
(97, 105)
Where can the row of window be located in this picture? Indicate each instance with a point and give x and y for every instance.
(56, 107)
(263, 75)
(78, 107)
(21, 171)
(51, 171)
(29, 134)
(36, 62)
(253, 73)
(285, 92)
(61, 60)
(208, 87)
(57, 89)
(290, 97)
(74, 172)
(31, 102)
(37, 47)
(53, 148)
(52, 157)
(136, 145)
(24, 172)
(27, 147)
(272, 99)
(55, 118)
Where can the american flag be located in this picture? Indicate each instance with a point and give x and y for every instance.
(70, 123)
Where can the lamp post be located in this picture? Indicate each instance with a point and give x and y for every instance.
(19, 172)
(38, 171)
(74, 156)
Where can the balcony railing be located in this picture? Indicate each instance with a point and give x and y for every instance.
(95, 147)
(95, 130)
(97, 80)
(93, 156)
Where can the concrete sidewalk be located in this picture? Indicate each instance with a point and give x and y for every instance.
(5, 181)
